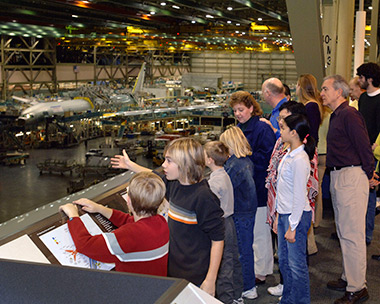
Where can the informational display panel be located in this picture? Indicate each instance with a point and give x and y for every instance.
(48, 240)
(61, 245)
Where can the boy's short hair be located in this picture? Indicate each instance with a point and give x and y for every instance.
(188, 154)
(146, 191)
(293, 107)
(218, 151)
(236, 142)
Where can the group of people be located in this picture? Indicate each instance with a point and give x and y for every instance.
(264, 178)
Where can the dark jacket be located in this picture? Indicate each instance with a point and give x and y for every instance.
(262, 139)
(240, 171)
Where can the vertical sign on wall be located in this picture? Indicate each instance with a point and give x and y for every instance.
(329, 28)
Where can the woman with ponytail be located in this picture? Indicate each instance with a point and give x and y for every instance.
(293, 208)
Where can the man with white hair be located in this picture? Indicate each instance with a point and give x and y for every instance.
(355, 92)
(351, 166)
(273, 93)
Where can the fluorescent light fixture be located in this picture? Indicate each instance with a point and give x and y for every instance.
(230, 8)
(152, 13)
(259, 19)
(193, 21)
(229, 22)
(237, 24)
(163, 3)
(370, 7)
(74, 16)
(175, 6)
(209, 16)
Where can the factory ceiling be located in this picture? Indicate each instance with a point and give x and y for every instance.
(153, 24)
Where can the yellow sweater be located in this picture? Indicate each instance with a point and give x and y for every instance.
(376, 152)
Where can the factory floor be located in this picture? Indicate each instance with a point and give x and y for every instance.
(22, 189)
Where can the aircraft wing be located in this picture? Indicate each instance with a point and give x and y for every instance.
(25, 100)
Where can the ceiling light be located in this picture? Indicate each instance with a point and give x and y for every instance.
(209, 16)
(163, 3)
(175, 6)
(228, 21)
(230, 8)
(74, 16)
(193, 21)
(237, 24)
(152, 13)
(259, 19)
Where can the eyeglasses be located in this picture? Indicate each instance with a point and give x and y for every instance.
(279, 118)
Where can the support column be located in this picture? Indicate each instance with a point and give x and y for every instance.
(359, 37)
(306, 30)
(3, 75)
(373, 49)
(346, 9)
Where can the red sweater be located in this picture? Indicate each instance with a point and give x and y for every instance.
(138, 247)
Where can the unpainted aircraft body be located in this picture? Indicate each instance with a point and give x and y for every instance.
(40, 110)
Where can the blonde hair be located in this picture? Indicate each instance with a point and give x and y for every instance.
(236, 141)
(246, 99)
(188, 154)
(146, 191)
(308, 91)
(355, 81)
(218, 151)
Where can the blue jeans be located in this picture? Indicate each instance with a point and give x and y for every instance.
(371, 212)
(244, 224)
(292, 260)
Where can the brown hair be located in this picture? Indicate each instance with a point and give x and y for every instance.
(236, 141)
(247, 99)
(308, 91)
(218, 151)
(188, 154)
(146, 191)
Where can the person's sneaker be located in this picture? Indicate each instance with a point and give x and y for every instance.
(276, 290)
(250, 293)
(238, 301)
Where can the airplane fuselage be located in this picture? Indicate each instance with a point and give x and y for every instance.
(55, 108)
